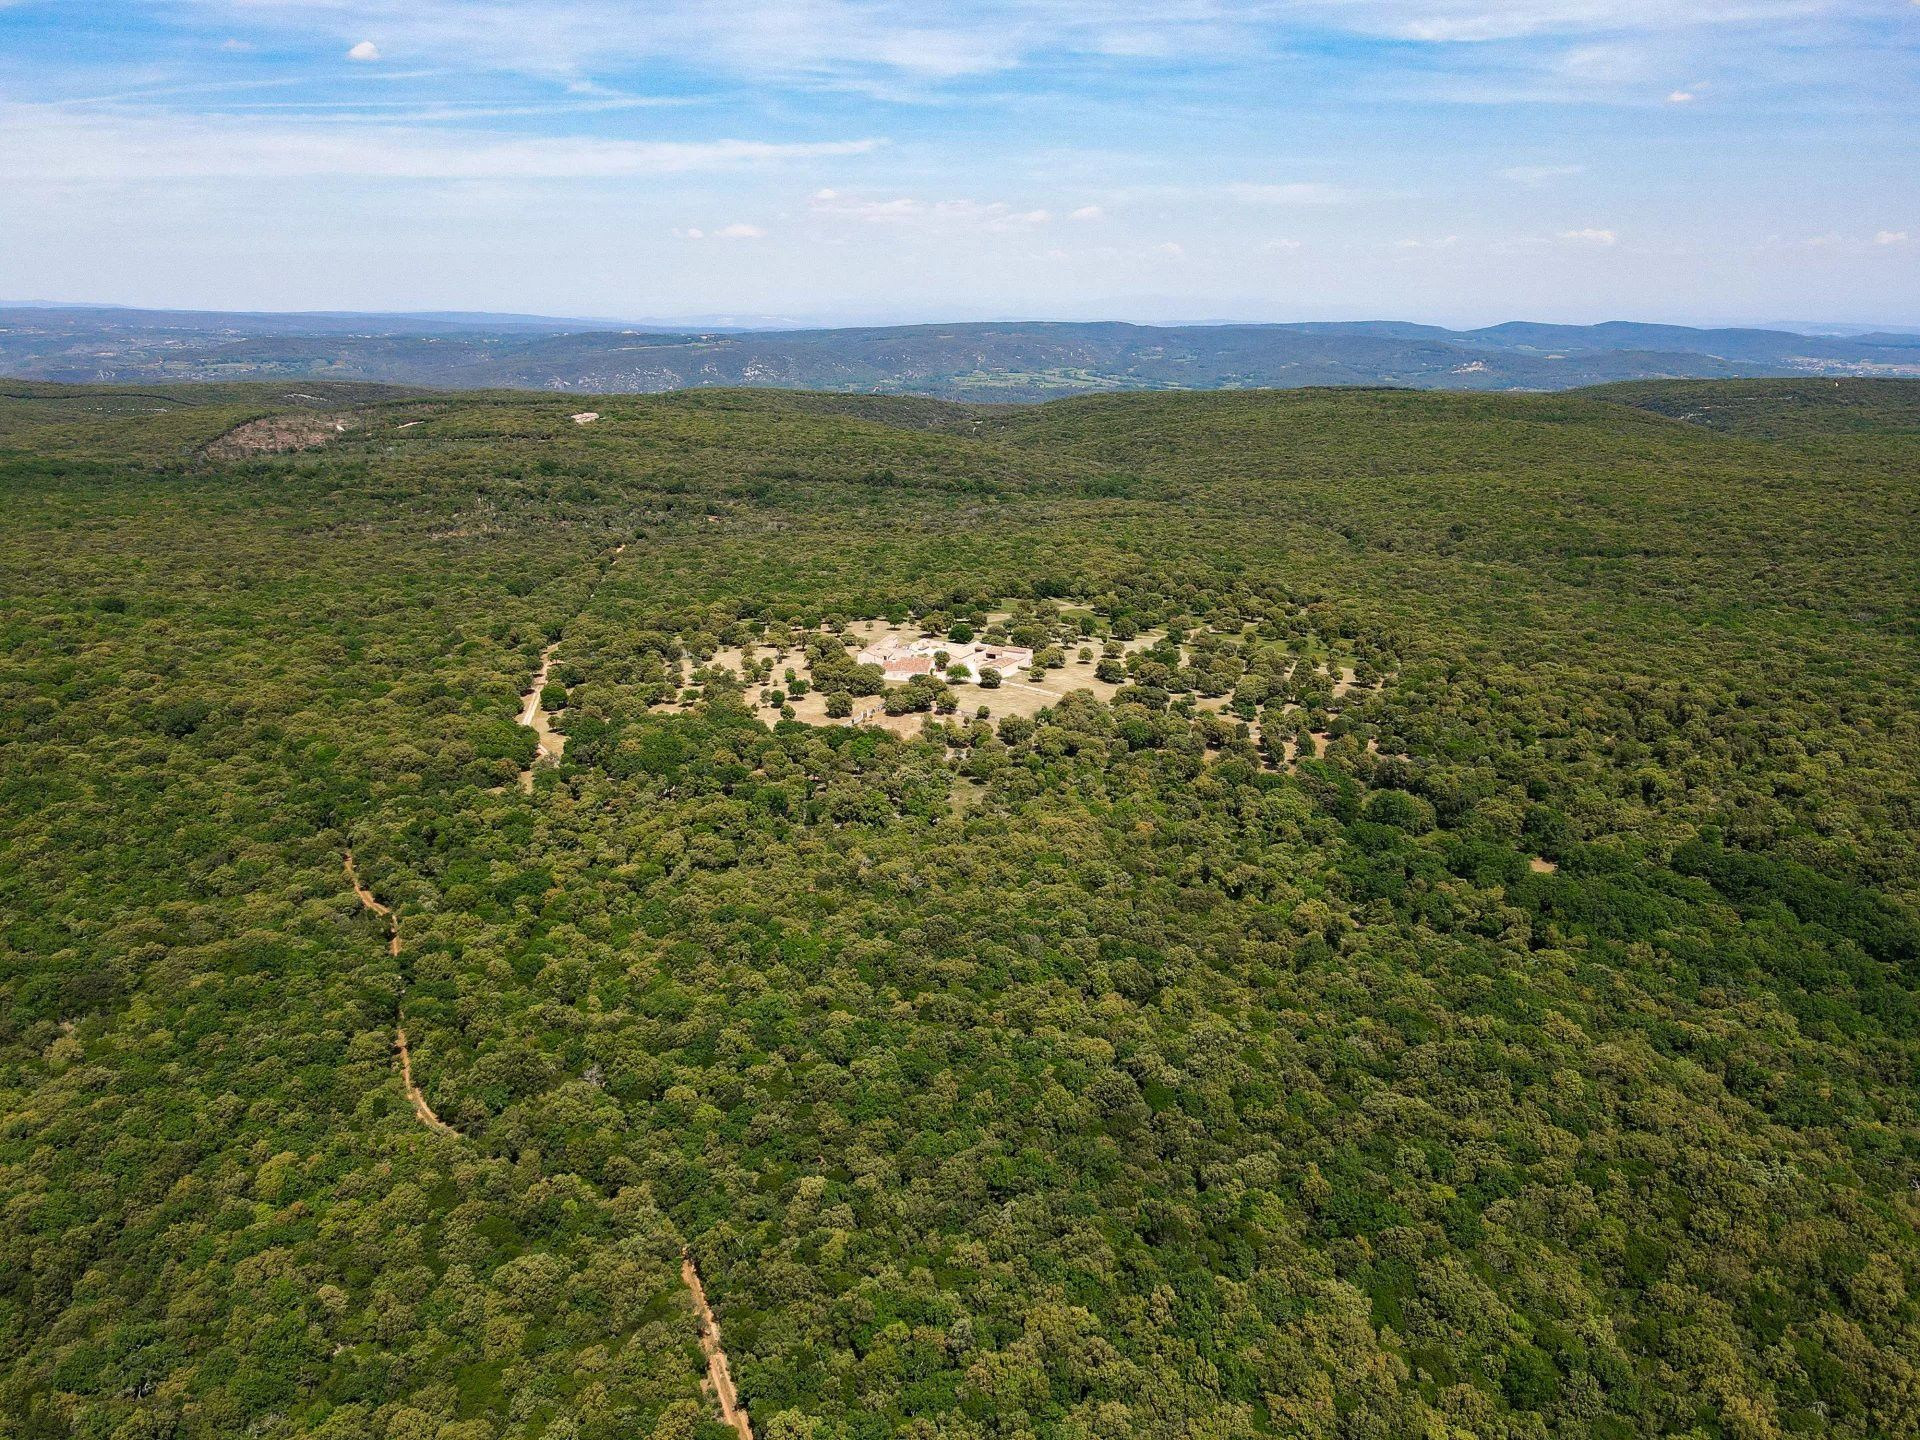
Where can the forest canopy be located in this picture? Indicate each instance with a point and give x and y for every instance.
(1423, 943)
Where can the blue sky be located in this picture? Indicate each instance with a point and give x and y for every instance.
(1459, 161)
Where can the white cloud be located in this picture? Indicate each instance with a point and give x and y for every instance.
(1682, 97)
(1541, 174)
(40, 143)
(827, 38)
(832, 202)
(1467, 22)
(739, 230)
(1094, 212)
(906, 49)
(1444, 242)
(931, 214)
(1831, 240)
(365, 50)
(1279, 247)
(1590, 237)
(1172, 249)
(827, 42)
(1308, 192)
(235, 47)
(1589, 67)
(1893, 237)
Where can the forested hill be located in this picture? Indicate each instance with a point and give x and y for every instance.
(1016, 361)
(1416, 932)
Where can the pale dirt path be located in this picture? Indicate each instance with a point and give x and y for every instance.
(366, 898)
(551, 744)
(719, 1374)
(421, 1109)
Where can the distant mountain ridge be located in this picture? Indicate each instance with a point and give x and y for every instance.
(978, 361)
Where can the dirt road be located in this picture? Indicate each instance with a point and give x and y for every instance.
(366, 898)
(551, 743)
(719, 1375)
(421, 1109)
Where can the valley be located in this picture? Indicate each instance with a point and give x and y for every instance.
(984, 363)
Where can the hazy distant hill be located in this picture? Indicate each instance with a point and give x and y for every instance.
(994, 361)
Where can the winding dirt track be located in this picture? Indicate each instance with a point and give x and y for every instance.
(719, 1379)
(421, 1109)
(719, 1375)
(550, 742)
(366, 898)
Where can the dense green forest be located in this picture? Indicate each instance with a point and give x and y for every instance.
(1441, 961)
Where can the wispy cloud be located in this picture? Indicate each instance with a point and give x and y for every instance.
(1094, 128)
(823, 40)
(1303, 192)
(43, 143)
(833, 40)
(1469, 22)
(910, 210)
(739, 230)
(1541, 174)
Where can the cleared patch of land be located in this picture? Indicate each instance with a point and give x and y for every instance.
(277, 433)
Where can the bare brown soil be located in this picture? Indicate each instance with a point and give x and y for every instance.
(551, 742)
(719, 1374)
(421, 1109)
(1015, 695)
(276, 433)
(366, 898)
